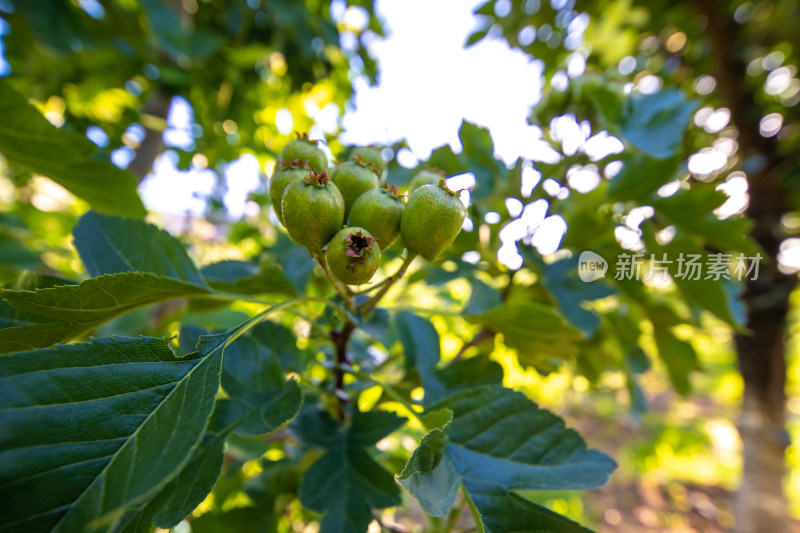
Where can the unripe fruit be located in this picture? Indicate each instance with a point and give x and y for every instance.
(313, 210)
(432, 220)
(305, 150)
(379, 211)
(424, 177)
(354, 178)
(281, 178)
(353, 256)
(370, 154)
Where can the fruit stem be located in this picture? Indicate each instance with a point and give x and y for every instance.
(372, 288)
(367, 307)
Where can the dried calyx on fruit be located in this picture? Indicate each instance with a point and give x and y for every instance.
(313, 210)
(305, 150)
(353, 256)
(432, 220)
(379, 211)
(288, 172)
(370, 154)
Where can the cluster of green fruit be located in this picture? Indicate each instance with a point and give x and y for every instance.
(314, 206)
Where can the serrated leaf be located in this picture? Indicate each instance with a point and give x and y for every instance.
(541, 336)
(731, 234)
(482, 298)
(462, 375)
(244, 277)
(478, 156)
(111, 245)
(430, 475)
(95, 429)
(678, 356)
(76, 309)
(500, 436)
(257, 391)
(346, 483)
(655, 123)
(183, 493)
(420, 342)
(505, 511)
(499, 441)
(27, 281)
(641, 176)
(562, 281)
(28, 139)
(421, 347)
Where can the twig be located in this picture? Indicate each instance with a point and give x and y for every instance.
(367, 307)
(483, 335)
(340, 339)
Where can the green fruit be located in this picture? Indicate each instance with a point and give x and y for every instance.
(281, 178)
(305, 150)
(353, 256)
(379, 211)
(313, 210)
(424, 177)
(354, 178)
(370, 154)
(432, 220)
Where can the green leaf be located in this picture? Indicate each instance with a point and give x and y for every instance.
(478, 156)
(27, 281)
(475, 37)
(655, 123)
(693, 211)
(499, 441)
(345, 483)
(462, 375)
(482, 298)
(77, 309)
(505, 511)
(421, 347)
(95, 429)
(184, 492)
(111, 244)
(190, 487)
(541, 336)
(420, 342)
(28, 139)
(641, 176)
(430, 475)
(244, 277)
(248, 519)
(500, 436)
(257, 391)
(678, 356)
(275, 478)
(561, 280)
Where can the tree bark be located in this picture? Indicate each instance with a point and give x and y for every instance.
(157, 105)
(760, 503)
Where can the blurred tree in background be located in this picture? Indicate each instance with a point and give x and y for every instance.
(739, 61)
(673, 127)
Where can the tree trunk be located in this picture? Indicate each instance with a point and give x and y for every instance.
(157, 105)
(760, 503)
